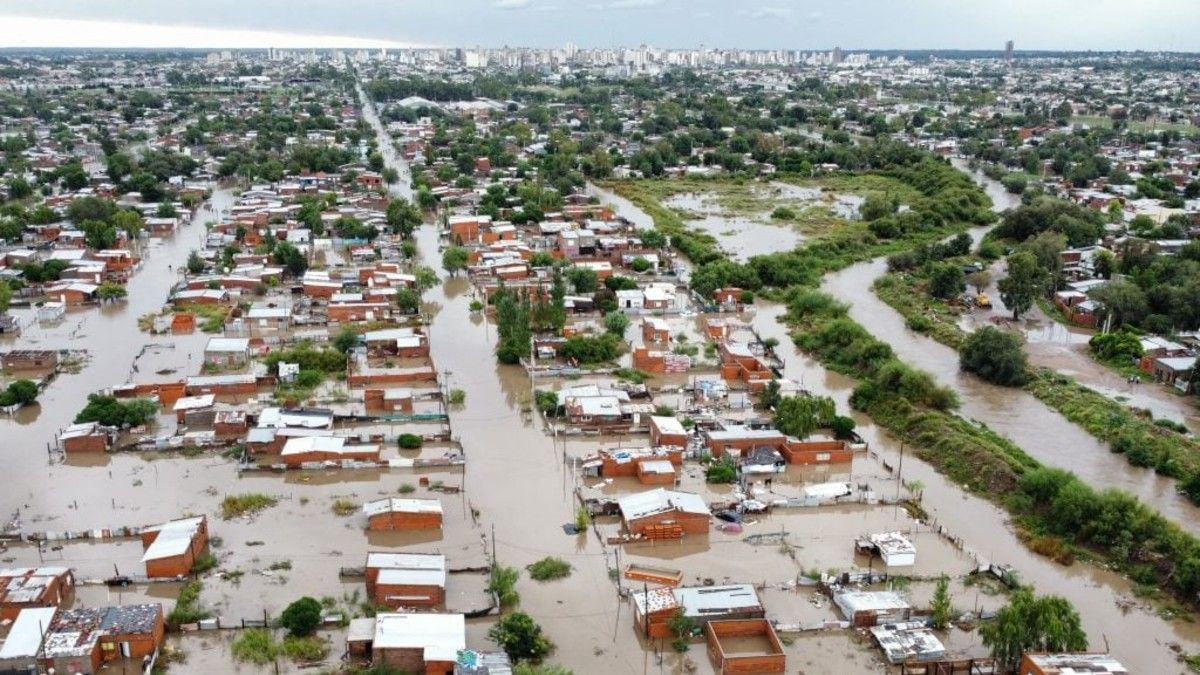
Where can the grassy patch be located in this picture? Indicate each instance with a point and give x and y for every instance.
(187, 608)
(251, 502)
(255, 645)
(343, 507)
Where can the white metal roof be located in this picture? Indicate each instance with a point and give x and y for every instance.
(398, 505)
(173, 539)
(296, 446)
(25, 637)
(227, 345)
(440, 635)
(660, 500)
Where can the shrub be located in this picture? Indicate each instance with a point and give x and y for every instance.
(520, 637)
(301, 617)
(456, 397)
(410, 441)
(110, 412)
(305, 649)
(994, 355)
(723, 471)
(503, 583)
(343, 507)
(783, 213)
(251, 502)
(842, 427)
(549, 568)
(255, 645)
(187, 607)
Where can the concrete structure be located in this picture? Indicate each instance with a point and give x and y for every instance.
(85, 437)
(908, 642)
(654, 608)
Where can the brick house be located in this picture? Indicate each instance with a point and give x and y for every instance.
(394, 513)
(26, 587)
(171, 549)
(410, 580)
(664, 514)
(83, 640)
(419, 643)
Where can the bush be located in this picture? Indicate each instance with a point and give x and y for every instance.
(343, 507)
(252, 502)
(21, 392)
(520, 637)
(723, 471)
(549, 568)
(456, 397)
(842, 427)
(187, 607)
(301, 617)
(586, 350)
(305, 649)
(255, 645)
(783, 213)
(994, 355)
(410, 441)
(504, 584)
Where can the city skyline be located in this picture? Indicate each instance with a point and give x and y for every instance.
(756, 24)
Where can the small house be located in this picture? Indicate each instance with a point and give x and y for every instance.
(171, 549)
(388, 400)
(21, 650)
(864, 609)
(408, 580)
(25, 587)
(227, 352)
(667, 431)
(85, 437)
(83, 640)
(653, 608)
(297, 452)
(419, 643)
(394, 513)
(896, 549)
(29, 359)
(665, 514)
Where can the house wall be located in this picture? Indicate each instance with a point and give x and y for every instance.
(318, 456)
(140, 644)
(405, 660)
(817, 452)
(654, 478)
(404, 521)
(396, 596)
(718, 447)
(692, 523)
(97, 442)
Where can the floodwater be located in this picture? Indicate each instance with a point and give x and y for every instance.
(742, 237)
(519, 483)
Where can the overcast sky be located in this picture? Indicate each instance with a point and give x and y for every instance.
(793, 24)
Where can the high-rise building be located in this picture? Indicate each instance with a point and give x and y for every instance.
(1008, 51)
(836, 57)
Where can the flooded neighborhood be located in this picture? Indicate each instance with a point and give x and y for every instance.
(598, 360)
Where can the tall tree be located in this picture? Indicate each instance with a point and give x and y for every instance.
(1024, 282)
(1028, 623)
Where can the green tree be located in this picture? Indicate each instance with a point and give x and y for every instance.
(1123, 301)
(111, 290)
(20, 392)
(408, 300)
(994, 355)
(946, 280)
(98, 234)
(801, 415)
(130, 222)
(346, 340)
(520, 637)
(940, 606)
(301, 617)
(980, 280)
(616, 323)
(1024, 282)
(195, 263)
(583, 279)
(402, 217)
(5, 296)
(1038, 624)
(18, 188)
(291, 258)
(512, 328)
(454, 259)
